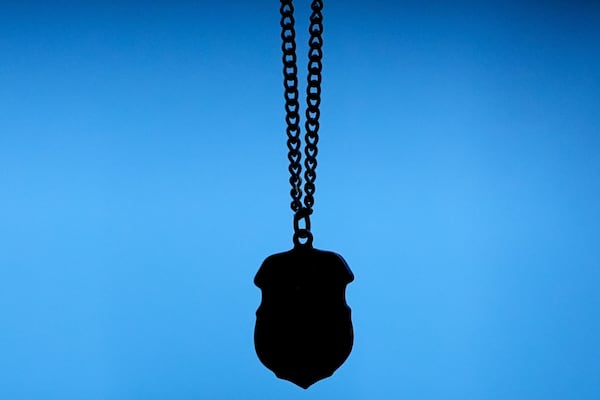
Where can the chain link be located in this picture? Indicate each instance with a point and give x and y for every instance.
(292, 105)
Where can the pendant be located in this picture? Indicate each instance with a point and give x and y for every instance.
(303, 327)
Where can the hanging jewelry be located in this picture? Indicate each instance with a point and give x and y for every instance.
(303, 327)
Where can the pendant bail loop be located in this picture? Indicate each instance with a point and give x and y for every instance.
(302, 233)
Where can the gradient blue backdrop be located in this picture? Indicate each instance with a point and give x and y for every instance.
(143, 179)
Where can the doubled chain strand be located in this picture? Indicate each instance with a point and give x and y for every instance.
(292, 106)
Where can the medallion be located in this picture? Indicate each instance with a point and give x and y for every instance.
(303, 327)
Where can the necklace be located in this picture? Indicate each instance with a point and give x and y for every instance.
(303, 327)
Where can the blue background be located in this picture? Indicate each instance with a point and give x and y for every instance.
(143, 179)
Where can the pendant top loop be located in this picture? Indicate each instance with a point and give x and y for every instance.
(302, 233)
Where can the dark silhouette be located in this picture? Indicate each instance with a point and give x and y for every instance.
(303, 325)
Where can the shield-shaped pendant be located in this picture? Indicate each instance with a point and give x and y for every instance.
(303, 327)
